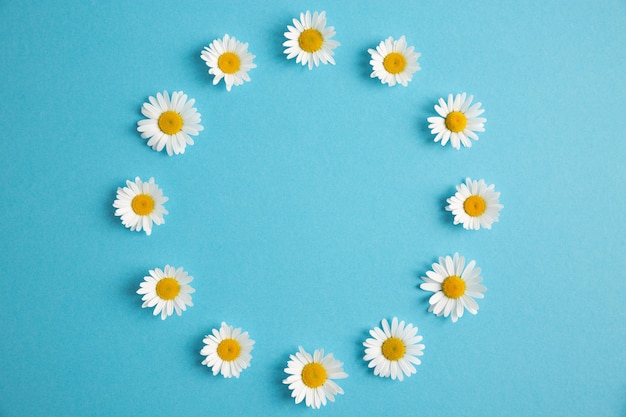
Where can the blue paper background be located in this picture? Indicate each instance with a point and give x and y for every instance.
(311, 205)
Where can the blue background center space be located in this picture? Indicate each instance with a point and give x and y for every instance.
(311, 205)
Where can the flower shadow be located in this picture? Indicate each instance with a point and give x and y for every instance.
(359, 350)
(426, 110)
(277, 37)
(445, 217)
(363, 61)
(128, 292)
(107, 205)
(278, 368)
(199, 67)
(423, 296)
(194, 346)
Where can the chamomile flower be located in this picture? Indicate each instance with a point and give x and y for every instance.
(166, 290)
(140, 204)
(309, 40)
(392, 351)
(393, 62)
(229, 59)
(475, 204)
(227, 351)
(170, 123)
(311, 377)
(455, 286)
(458, 122)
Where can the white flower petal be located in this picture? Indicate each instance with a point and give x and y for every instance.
(490, 215)
(152, 299)
(150, 129)
(227, 367)
(315, 22)
(318, 396)
(439, 302)
(459, 103)
(124, 200)
(383, 49)
(393, 368)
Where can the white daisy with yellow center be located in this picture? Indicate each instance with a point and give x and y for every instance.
(170, 123)
(309, 40)
(458, 122)
(140, 204)
(393, 350)
(311, 377)
(166, 290)
(455, 286)
(227, 351)
(229, 59)
(475, 204)
(394, 62)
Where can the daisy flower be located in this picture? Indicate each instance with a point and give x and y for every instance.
(392, 351)
(309, 40)
(229, 59)
(455, 287)
(458, 121)
(393, 62)
(475, 204)
(166, 290)
(139, 204)
(170, 122)
(227, 351)
(311, 377)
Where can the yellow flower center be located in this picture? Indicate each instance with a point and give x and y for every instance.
(394, 63)
(393, 349)
(228, 350)
(313, 375)
(474, 205)
(453, 286)
(167, 288)
(456, 121)
(310, 40)
(170, 122)
(229, 62)
(142, 204)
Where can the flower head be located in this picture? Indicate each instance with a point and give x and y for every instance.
(169, 123)
(393, 62)
(392, 351)
(475, 204)
(458, 122)
(229, 59)
(166, 290)
(227, 351)
(309, 40)
(140, 204)
(455, 286)
(311, 377)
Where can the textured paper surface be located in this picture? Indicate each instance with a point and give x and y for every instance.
(310, 206)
